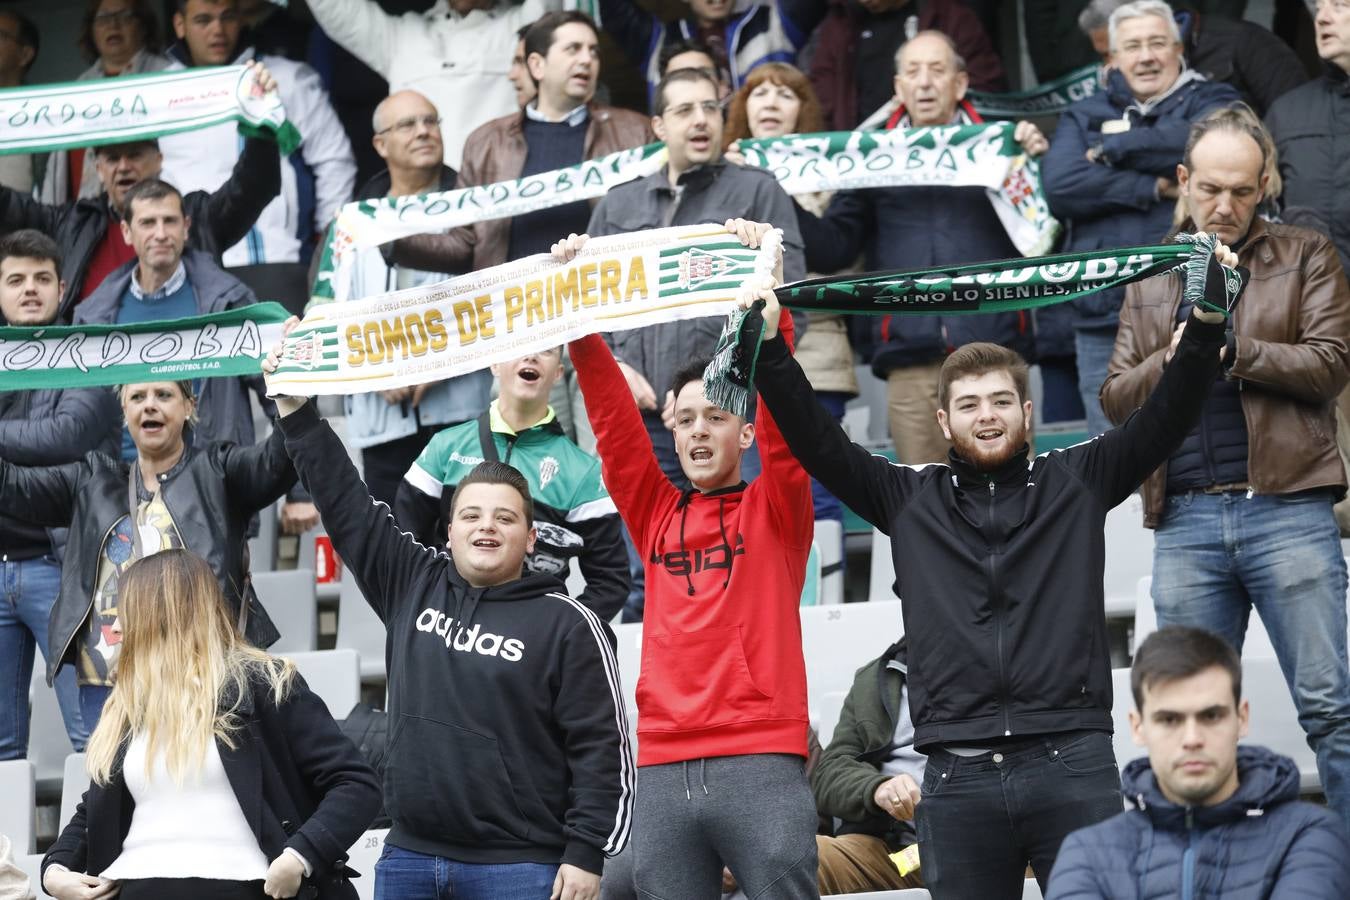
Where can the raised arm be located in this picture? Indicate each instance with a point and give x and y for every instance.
(588, 708)
(325, 148)
(632, 27)
(19, 210)
(363, 29)
(627, 459)
(259, 474)
(869, 485)
(42, 495)
(83, 420)
(786, 484)
(603, 559)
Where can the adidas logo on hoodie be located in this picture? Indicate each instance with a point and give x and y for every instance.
(470, 641)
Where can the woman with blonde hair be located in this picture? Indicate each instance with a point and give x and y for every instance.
(178, 493)
(777, 100)
(215, 772)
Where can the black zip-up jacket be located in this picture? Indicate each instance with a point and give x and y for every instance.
(1000, 572)
(299, 780)
(508, 740)
(211, 494)
(49, 427)
(220, 219)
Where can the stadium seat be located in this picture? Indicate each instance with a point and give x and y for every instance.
(881, 583)
(335, 675)
(911, 894)
(838, 640)
(831, 705)
(629, 656)
(48, 743)
(359, 629)
(362, 857)
(18, 810)
(262, 550)
(74, 783)
(289, 599)
(1129, 556)
(829, 538)
(811, 583)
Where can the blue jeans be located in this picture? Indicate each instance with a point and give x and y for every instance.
(408, 875)
(984, 818)
(827, 506)
(1094, 347)
(28, 589)
(92, 699)
(1218, 556)
(1060, 401)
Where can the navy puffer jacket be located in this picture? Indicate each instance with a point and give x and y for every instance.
(1260, 843)
(1114, 203)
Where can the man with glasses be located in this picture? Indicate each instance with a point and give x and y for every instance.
(391, 427)
(1111, 168)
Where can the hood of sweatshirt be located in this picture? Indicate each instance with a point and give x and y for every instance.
(1265, 779)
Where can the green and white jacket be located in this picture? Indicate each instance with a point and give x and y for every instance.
(574, 515)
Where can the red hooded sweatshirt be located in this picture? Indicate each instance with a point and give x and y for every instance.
(722, 671)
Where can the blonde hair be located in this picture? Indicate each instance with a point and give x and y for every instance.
(183, 670)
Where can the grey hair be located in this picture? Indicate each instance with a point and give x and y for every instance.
(957, 59)
(1138, 9)
(1097, 15)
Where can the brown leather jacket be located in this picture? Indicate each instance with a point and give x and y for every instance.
(1292, 341)
(495, 151)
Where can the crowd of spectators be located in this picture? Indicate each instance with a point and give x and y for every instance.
(1196, 120)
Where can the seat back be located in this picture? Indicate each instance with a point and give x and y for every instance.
(334, 675)
(290, 601)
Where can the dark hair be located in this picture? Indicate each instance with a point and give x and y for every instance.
(27, 36)
(679, 75)
(150, 189)
(145, 17)
(672, 49)
(690, 371)
(29, 243)
(976, 359)
(1177, 652)
(494, 472)
(539, 36)
(810, 119)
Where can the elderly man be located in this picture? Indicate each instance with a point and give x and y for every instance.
(1112, 167)
(391, 427)
(89, 233)
(1243, 507)
(914, 227)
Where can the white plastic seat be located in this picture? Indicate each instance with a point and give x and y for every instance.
(838, 640)
(359, 629)
(18, 810)
(291, 603)
(334, 675)
(881, 581)
(829, 539)
(74, 782)
(1129, 556)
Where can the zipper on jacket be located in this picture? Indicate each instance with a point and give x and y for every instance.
(1188, 858)
(90, 608)
(997, 597)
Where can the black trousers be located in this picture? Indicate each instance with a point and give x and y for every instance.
(191, 889)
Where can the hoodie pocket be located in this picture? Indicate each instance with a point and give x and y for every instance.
(698, 680)
(448, 783)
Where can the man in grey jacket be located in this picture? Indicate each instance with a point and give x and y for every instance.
(696, 186)
(38, 428)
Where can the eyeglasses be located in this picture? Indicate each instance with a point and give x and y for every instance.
(1155, 45)
(110, 19)
(685, 110)
(406, 126)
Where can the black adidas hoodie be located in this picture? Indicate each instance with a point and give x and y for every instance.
(508, 739)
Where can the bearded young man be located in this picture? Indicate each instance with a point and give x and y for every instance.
(999, 560)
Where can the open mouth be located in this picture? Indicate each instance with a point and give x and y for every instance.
(700, 142)
(989, 434)
(151, 426)
(487, 544)
(528, 375)
(700, 454)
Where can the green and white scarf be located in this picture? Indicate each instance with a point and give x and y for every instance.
(1043, 100)
(991, 287)
(233, 342)
(958, 155)
(138, 107)
(625, 281)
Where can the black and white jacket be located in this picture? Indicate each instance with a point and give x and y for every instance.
(508, 737)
